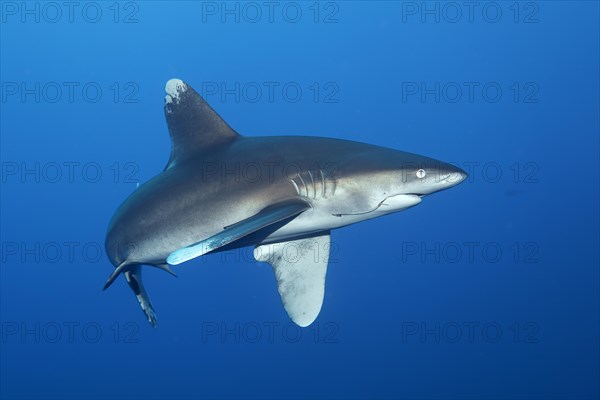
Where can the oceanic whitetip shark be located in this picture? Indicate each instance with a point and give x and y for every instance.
(221, 190)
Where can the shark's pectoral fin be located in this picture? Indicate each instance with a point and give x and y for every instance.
(194, 126)
(270, 215)
(134, 279)
(300, 267)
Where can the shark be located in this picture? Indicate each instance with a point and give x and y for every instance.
(281, 194)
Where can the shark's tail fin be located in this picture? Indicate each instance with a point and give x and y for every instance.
(134, 279)
(133, 275)
(124, 266)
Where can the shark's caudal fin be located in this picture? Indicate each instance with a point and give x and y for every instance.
(193, 125)
(127, 265)
(268, 216)
(124, 266)
(133, 275)
(300, 267)
(134, 279)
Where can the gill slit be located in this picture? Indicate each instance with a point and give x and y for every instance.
(314, 187)
(295, 186)
(303, 183)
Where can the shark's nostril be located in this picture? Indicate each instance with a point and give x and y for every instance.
(446, 177)
(456, 177)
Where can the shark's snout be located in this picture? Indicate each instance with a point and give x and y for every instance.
(455, 177)
(433, 177)
(450, 177)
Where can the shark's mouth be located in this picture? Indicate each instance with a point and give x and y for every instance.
(390, 204)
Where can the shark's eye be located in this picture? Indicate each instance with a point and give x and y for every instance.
(421, 173)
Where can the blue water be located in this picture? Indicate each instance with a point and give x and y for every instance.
(487, 290)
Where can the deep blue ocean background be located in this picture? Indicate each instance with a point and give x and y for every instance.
(487, 290)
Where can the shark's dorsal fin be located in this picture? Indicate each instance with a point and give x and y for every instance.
(193, 125)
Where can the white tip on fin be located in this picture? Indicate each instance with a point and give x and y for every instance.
(174, 87)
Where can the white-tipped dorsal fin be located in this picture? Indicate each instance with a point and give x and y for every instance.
(193, 125)
(300, 267)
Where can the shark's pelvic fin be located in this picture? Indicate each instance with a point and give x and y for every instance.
(300, 267)
(134, 279)
(268, 216)
(193, 125)
(166, 268)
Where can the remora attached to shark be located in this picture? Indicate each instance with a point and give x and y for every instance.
(282, 195)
